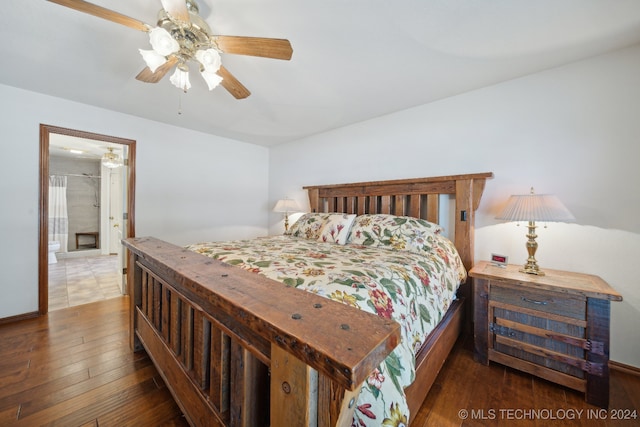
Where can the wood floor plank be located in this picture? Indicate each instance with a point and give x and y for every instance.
(13, 372)
(45, 360)
(438, 411)
(26, 393)
(149, 409)
(111, 401)
(98, 366)
(96, 387)
(65, 403)
(518, 387)
(9, 415)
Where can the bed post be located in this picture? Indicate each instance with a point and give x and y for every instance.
(313, 194)
(134, 288)
(468, 195)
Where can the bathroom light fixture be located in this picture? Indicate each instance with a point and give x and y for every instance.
(286, 206)
(111, 160)
(531, 208)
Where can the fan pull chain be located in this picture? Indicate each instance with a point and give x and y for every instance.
(179, 103)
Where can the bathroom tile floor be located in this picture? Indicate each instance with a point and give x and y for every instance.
(76, 281)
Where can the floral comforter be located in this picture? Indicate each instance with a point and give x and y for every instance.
(413, 289)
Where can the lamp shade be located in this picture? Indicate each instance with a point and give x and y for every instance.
(535, 207)
(152, 58)
(162, 42)
(180, 78)
(287, 205)
(212, 79)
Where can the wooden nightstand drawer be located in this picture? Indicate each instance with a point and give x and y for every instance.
(548, 302)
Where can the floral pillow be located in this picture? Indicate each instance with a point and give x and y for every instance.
(308, 225)
(394, 232)
(336, 228)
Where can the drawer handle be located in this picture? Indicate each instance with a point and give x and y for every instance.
(533, 301)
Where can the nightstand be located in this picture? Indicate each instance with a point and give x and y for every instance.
(554, 326)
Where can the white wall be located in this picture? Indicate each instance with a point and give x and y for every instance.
(189, 186)
(573, 131)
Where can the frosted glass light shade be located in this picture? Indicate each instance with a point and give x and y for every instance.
(212, 79)
(111, 160)
(535, 207)
(162, 42)
(210, 59)
(152, 59)
(180, 78)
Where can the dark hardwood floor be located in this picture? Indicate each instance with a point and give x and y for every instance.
(467, 393)
(73, 367)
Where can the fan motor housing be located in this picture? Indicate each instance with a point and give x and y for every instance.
(191, 36)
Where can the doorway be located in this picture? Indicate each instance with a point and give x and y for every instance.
(112, 201)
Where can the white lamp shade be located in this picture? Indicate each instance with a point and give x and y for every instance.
(210, 59)
(212, 79)
(180, 78)
(287, 205)
(162, 42)
(535, 207)
(152, 59)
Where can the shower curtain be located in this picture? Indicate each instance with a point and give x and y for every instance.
(58, 219)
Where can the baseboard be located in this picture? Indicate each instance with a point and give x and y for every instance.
(621, 367)
(18, 317)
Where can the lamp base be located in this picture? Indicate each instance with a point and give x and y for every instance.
(531, 267)
(532, 270)
(286, 223)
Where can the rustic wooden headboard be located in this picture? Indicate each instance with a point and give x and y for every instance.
(417, 197)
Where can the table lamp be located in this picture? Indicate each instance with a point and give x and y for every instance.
(286, 206)
(531, 208)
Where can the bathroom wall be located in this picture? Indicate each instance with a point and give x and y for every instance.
(83, 195)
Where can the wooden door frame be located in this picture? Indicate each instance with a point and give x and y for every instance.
(43, 207)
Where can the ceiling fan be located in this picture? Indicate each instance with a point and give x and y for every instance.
(181, 37)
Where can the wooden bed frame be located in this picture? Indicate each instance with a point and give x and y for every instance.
(236, 348)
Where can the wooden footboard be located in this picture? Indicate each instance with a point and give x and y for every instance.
(238, 349)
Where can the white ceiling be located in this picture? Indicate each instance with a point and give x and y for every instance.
(353, 60)
(61, 146)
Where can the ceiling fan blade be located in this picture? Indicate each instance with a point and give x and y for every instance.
(104, 13)
(231, 84)
(150, 77)
(177, 9)
(254, 46)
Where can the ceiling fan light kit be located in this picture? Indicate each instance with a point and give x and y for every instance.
(182, 36)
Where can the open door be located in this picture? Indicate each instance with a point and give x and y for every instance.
(116, 225)
(123, 206)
